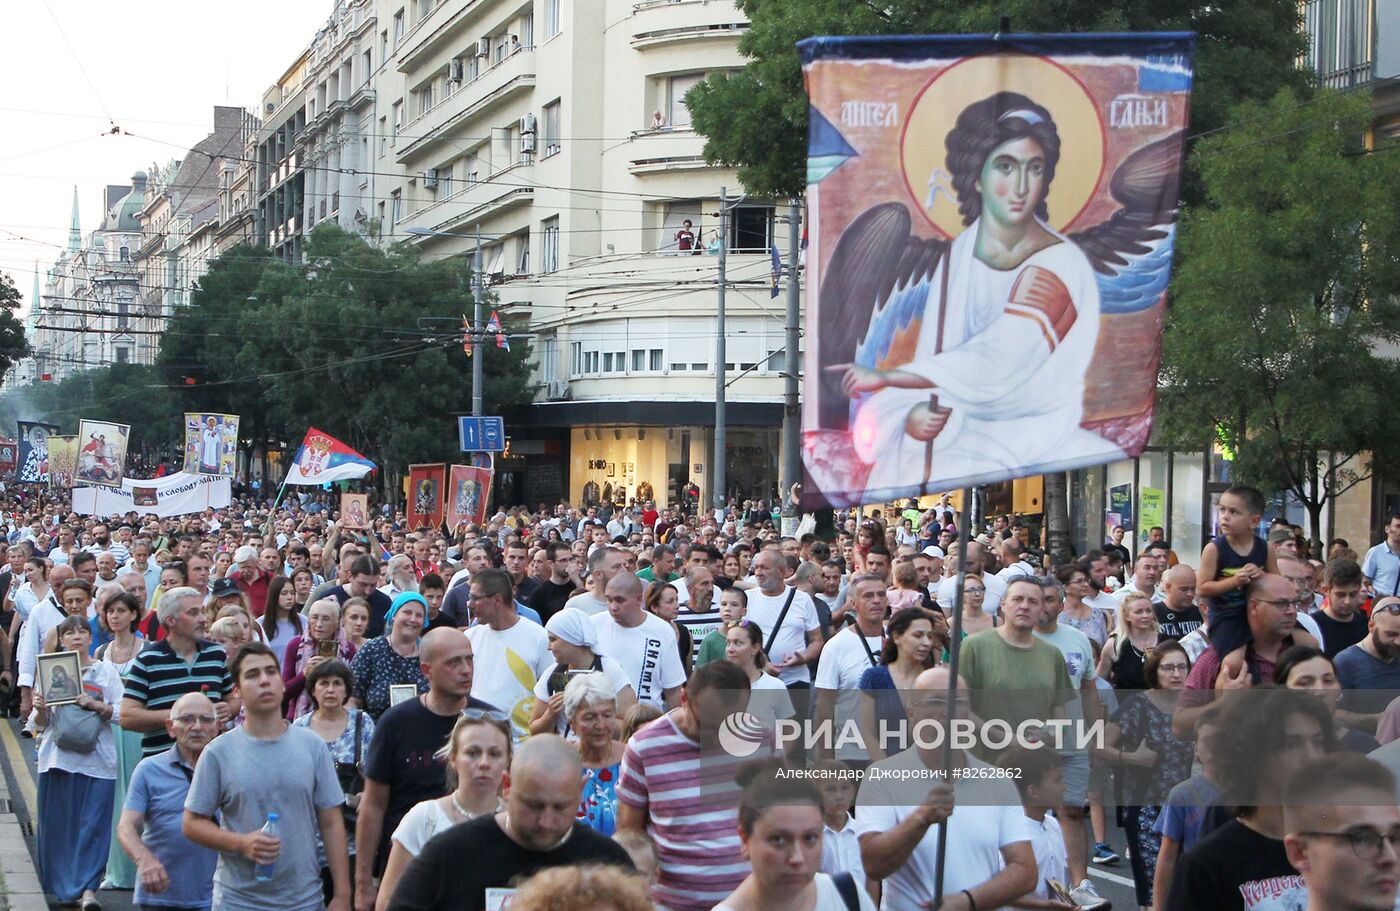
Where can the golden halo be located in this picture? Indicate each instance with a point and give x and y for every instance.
(937, 106)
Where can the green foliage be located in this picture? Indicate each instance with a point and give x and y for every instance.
(13, 346)
(122, 393)
(1282, 332)
(756, 119)
(336, 343)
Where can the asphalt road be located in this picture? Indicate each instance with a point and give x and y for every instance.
(1114, 883)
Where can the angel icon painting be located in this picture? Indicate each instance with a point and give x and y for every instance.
(961, 331)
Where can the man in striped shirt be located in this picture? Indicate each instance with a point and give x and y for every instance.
(178, 664)
(675, 777)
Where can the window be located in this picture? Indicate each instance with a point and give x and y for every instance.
(591, 359)
(425, 98)
(575, 358)
(471, 169)
(522, 260)
(676, 87)
(751, 228)
(424, 8)
(398, 119)
(552, 25)
(383, 136)
(639, 360)
(656, 362)
(550, 262)
(123, 355)
(398, 28)
(367, 65)
(123, 312)
(384, 45)
(607, 362)
(124, 254)
(551, 129)
(527, 31)
(396, 208)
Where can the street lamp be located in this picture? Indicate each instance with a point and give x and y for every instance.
(478, 306)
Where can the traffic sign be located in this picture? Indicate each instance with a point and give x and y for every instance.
(482, 434)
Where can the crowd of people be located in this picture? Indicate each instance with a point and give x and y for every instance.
(279, 711)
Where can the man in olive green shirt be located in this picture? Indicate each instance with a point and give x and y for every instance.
(1012, 675)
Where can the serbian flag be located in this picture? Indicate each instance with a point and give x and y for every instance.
(494, 325)
(322, 459)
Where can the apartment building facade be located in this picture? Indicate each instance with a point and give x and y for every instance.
(556, 130)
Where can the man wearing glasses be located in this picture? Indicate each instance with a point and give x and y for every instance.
(172, 870)
(1271, 610)
(1343, 830)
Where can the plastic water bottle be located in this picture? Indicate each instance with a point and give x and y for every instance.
(263, 872)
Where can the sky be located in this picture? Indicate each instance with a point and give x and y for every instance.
(154, 68)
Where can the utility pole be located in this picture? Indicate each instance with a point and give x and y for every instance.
(478, 320)
(718, 469)
(792, 419)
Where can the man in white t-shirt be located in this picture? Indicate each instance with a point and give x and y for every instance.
(989, 861)
(643, 643)
(976, 560)
(799, 637)
(511, 653)
(604, 563)
(848, 655)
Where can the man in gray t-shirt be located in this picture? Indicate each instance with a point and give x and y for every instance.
(265, 767)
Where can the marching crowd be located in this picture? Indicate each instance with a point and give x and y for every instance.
(279, 711)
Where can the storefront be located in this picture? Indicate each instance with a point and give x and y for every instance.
(604, 452)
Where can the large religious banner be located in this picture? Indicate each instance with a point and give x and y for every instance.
(63, 460)
(101, 452)
(33, 464)
(468, 490)
(992, 223)
(211, 443)
(178, 494)
(425, 494)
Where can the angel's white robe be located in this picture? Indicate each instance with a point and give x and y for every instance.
(1016, 346)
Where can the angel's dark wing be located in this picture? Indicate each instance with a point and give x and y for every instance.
(872, 302)
(1146, 185)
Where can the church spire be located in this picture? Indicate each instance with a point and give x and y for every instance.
(75, 233)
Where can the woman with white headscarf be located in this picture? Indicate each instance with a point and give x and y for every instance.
(572, 640)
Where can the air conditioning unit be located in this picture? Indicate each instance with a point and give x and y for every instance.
(454, 71)
(557, 390)
(527, 143)
(430, 179)
(269, 107)
(527, 123)
(483, 47)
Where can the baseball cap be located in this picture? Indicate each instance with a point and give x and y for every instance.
(933, 550)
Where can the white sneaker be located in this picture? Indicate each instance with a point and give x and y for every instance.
(1086, 896)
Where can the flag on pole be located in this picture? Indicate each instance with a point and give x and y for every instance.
(466, 335)
(777, 270)
(322, 459)
(494, 325)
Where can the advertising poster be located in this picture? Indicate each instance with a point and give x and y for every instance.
(101, 452)
(1120, 501)
(425, 494)
(1152, 504)
(467, 495)
(33, 467)
(211, 444)
(992, 224)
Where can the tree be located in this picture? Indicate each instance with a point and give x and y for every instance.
(365, 344)
(1280, 337)
(756, 119)
(121, 393)
(13, 345)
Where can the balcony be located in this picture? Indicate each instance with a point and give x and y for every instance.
(658, 22)
(655, 151)
(447, 22)
(513, 76)
(504, 190)
(1340, 41)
